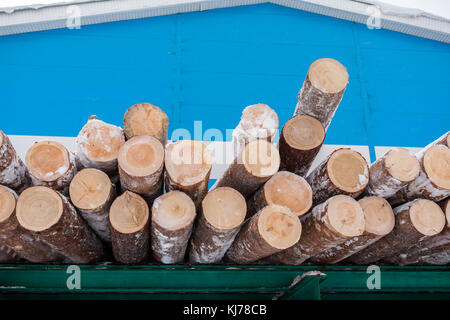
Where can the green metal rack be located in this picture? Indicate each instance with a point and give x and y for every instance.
(222, 282)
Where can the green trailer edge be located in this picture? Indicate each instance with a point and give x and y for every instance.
(222, 282)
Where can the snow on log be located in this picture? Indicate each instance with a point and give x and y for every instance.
(173, 216)
(129, 223)
(222, 214)
(322, 90)
(300, 141)
(146, 119)
(329, 224)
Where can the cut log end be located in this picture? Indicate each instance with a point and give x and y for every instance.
(345, 216)
(90, 189)
(378, 215)
(402, 165)
(173, 210)
(47, 160)
(187, 162)
(7, 203)
(279, 227)
(436, 163)
(144, 119)
(427, 217)
(259, 121)
(261, 158)
(224, 208)
(289, 190)
(39, 208)
(141, 156)
(129, 213)
(348, 170)
(303, 132)
(328, 75)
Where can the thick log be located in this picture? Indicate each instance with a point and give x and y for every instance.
(416, 221)
(285, 189)
(173, 216)
(92, 193)
(392, 172)
(322, 90)
(257, 162)
(222, 214)
(344, 172)
(98, 145)
(51, 218)
(300, 140)
(146, 119)
(273, 229)
(129, 220)
(50, 165)
(379, 221)
(329, 224)
(13, 172)
(141, 164)
(188, 166)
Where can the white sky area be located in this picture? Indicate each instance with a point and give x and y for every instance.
(439, 8)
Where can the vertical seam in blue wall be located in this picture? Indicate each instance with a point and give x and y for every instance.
(177, 74)
(364, 95)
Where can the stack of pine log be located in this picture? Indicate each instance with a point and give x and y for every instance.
(130, 195)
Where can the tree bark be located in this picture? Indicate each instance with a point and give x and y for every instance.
(8, 255)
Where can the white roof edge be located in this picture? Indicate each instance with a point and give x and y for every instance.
(93, 12)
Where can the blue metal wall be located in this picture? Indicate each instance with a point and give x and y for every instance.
(209, 65)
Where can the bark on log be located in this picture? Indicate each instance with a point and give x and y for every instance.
(255, 165)
(188, 166)
(51, 165)
(439, 259)
(98, 145)
(392, 172)
(173, 216)
(141, 164)
(8, 255)
(51, 218)
(13, 172)
(329, 224)
(272, 229)
(146, 119)
(222, 214)
(129, 222)
(92, 193)
(283, 188)
(344, 172)
(322, 90)
(379, 221)
(300, 140)
(416, 221)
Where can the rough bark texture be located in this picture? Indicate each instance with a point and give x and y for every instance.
(8, 255)
(13, 172)
(195, 191)
(441, 258)
(131, 248)
(208, 243)
(256, 202)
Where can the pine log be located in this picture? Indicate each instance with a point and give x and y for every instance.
(51, 165)
(322, 90)
(440, 258)
(392, 172)
(379, 221)
(129, 222)
(416, 221)
(146, 119)
(300, 140)
(92, 193)
(344, 172)
(173, 216)
(257, 162)
(273, 229)
(98, 145)
(51, 218)
(188, 166)
(285, 189)
(141, 164)
(331, 223)
(222, 214)
(8, 255)
(13, 172)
